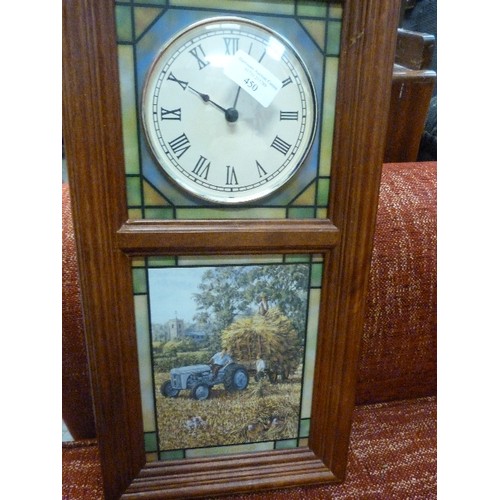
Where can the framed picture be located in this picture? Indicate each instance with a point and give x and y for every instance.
(227, 362)
(224, 165)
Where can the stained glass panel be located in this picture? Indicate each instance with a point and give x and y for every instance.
(312, 27)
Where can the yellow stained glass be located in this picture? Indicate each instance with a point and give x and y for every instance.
(151, 196)
(330, 93)
(143, 17)
(145, 369)
(225, 450)
(310, 355)
(234, 213)
(267, 7)
(307, 197)
(317, 30)
(128, 108)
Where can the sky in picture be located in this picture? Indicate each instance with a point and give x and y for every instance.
(172, 292)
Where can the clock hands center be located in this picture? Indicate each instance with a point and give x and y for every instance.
(231, 114)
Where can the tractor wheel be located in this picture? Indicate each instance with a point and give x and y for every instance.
(200, 392)
(168, 391)
(236, 378)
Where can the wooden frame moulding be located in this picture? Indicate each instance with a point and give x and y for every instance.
(106, 240)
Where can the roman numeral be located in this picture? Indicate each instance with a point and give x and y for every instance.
(231, 45)
(231, 176)
(199, 55)
(286, 82)
(260, 169)
(171, 77)
(180, 145)
(170, 114)
(280, 145)
(289, 115)
(202, 167)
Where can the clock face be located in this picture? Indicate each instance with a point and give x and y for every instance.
(229, 110)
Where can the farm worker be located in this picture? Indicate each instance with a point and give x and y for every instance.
(263, 305)
(260, 364)
(219, 360)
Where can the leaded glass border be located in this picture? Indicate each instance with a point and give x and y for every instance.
(313, 27)
(275, 409)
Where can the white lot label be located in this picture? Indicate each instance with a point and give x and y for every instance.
(253, 78)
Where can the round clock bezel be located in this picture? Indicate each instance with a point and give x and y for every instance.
(167, 166)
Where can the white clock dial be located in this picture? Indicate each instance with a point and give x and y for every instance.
(229, 110)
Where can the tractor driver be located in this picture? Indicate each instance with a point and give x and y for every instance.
(220, 359)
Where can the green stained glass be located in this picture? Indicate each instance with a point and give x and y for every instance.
(228, 260)
(172, 455)
(305, 425)
(323, 192)
(139, 280)
(158, 213)
(161, 261)
(155, 2)
(123, 16)
(287, 444)
(301, 213)
(316, 275)
(312, 9)
(297, 258)
(134, 195)
(150, 441)
(333, 38)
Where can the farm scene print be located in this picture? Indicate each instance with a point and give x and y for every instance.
(228, 353)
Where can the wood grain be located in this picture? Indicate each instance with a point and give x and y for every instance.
(245, 236)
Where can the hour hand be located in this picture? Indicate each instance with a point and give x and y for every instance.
(230, 113)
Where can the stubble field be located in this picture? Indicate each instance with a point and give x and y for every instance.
(262, 412)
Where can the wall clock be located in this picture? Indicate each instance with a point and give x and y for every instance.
(215, 147)
(229, 110)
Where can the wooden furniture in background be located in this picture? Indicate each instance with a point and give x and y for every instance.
(412, 87)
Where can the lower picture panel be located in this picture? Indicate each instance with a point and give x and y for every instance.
(227, 349)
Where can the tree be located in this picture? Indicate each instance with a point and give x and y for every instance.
(285, 287)
(219, 299)
(228, 292)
